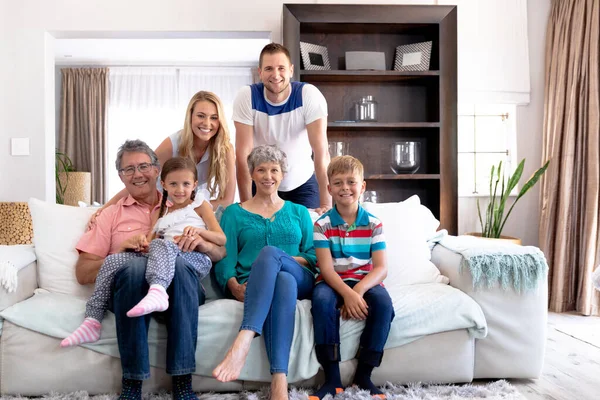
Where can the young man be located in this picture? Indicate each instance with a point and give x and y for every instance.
(290, 115)
(350, 251)
(115, 234)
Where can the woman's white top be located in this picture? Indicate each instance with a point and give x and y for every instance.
(201, 167)
(173, 222)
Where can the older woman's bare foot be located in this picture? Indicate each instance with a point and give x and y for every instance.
(279, 387)
(230, 368)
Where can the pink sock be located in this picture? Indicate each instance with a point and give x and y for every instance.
(157, 299)
(88, 332)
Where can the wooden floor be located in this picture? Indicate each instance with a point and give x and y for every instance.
(572, 367)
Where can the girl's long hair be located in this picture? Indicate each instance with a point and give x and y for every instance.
(175, 164)
(220, 144)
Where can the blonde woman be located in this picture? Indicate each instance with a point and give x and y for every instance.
(205, 140)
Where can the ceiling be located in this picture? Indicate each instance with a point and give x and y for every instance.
(159, 51)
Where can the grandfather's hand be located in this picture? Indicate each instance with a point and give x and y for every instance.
(137, 243)
(192, 242)
(237, 290)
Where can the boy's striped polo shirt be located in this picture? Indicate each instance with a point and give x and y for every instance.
(351, 246)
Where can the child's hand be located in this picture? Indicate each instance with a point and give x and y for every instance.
(354, 307)
(192, 231)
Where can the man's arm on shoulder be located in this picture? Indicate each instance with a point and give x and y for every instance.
(244, 141)
(87, 267)
(317, 137)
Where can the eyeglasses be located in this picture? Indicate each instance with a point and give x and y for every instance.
(143, 168)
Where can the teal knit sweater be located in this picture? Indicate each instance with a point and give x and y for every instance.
(290, 229)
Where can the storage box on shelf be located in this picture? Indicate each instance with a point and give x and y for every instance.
(412, 105)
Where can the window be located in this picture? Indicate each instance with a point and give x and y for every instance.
(486, 136)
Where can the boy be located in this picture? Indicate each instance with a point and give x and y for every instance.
(350, 251)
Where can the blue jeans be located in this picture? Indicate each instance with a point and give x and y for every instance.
(326, 304)
(276, 281)
(306, 194)
(181, 318)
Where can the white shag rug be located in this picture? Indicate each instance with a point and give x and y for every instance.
(499, 390)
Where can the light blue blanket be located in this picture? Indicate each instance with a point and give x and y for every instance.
(420, 310)
(497, 262)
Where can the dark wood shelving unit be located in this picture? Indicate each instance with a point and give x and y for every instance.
(362, 126)
(414, 105)
(402, 176)
(366, 76)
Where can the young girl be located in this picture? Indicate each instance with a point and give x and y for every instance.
(188, 214)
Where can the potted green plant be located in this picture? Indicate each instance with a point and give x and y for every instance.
(72, 186)
(494, 219)
(63, 165)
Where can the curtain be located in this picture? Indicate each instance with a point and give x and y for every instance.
(143, 104)
(570, 193)
(83, 115)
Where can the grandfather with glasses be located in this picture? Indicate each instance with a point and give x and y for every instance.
(116, 232)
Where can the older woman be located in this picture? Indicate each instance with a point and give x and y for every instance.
(269, 265)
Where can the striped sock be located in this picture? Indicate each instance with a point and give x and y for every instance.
(88, 332)
(157, 299)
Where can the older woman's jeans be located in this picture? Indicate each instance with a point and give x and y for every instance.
(276, 281)
(181, 319)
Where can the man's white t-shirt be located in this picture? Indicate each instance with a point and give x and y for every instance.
(283, 124)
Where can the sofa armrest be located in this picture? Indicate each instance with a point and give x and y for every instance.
(517, 322)
(27, 283)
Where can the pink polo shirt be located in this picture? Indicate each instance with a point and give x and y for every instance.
(115, 224)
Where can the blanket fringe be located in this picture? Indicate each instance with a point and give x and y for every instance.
(522, 272)
(8, 276)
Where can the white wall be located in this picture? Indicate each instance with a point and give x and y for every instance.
(27, 69)
(524, 220)
(4, 137)
(27, 28)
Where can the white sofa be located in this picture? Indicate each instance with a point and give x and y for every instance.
(442, 333)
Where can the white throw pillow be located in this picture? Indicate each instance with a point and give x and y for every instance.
(407, 225)
(56, 231)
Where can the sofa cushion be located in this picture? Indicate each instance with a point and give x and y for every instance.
(407, 226)
(420, 310)
(56, 231)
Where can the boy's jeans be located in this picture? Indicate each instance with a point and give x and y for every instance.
(181, 318)
(326, 304)
(276, 281)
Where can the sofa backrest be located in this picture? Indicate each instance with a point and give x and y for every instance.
(407, 225)
(56, 231)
